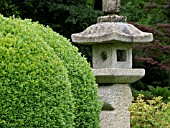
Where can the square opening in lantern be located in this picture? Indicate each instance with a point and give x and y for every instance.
(121, 55)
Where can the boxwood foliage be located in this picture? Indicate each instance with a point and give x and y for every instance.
(35, 90)
(44, 81)
(83, 84)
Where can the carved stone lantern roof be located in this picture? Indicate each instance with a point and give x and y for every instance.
(111, 31)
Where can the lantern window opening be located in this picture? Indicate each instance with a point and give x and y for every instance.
(121, 55)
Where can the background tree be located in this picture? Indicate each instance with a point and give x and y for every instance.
(64, 16)
(151, 16)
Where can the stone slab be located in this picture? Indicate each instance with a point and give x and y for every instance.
(112, 18)
(108, 32)
(115, 119)
(118, 75)
(115, 96)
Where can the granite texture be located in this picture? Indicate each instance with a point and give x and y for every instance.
(112, 18)
(110, 59)
(117, 99)
(118, 96)
(118, 75)
(108, 32)
(111, 6)
(115, 119)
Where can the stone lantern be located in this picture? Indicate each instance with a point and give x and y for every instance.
(112, 40)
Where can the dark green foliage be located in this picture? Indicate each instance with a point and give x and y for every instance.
(9, 8)
(152, 92)
(132, 9)
(147, 94)
(63, 16)
(158, 91)
(146, 11)
(44, 46)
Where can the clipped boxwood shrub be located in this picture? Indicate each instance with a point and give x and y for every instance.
(38, 69)
(35, 90)
(83, 84)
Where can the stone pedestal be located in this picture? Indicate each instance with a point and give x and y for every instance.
(115, 119)
(117, 96)
(117, 99)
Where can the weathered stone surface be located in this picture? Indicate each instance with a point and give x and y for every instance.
(111, 6)
(115, 119)
(118, 96)
(108, 32)
(106, 56)
(112, 18)
(118, 75)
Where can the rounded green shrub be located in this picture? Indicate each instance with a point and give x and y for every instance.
(44, 81)
(34, 87)
(83, 84)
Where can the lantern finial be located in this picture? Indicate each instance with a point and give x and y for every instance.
(111, 6)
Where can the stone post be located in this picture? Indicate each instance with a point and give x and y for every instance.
(111, 6)
(112, 40)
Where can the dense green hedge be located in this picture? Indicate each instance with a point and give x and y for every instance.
(37, 68)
